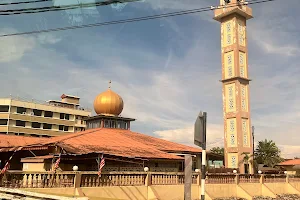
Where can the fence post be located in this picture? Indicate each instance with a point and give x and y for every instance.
(77, 180)
(237, 179)
(287, 179)
(199, 179)
(262, 179)
(148, 179)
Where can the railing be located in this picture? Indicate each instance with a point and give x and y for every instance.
(45, 103)
(249, 178)
(18, 179)
(272, 178)
(220, 178)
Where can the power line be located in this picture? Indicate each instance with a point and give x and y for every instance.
(23, 2)
(171, 14)
(60, 8)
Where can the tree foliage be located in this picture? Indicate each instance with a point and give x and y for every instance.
(267, 153)
(217, 150)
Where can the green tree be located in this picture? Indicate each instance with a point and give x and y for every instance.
(217, 150)
(267, 153)
(248, 159)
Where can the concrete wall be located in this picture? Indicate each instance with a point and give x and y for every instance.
(175, 192)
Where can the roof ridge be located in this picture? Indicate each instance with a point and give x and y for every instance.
(164, 140)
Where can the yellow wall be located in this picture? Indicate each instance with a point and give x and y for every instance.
(254, 189)
(221, 190)
(33, 167)
(277, 188)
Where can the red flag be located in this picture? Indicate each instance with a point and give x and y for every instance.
(56, 165)
(101, 165)
(7, 164)
(5, 168)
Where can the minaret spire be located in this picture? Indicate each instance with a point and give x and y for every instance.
(109, 84)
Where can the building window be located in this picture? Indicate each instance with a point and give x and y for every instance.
(48, 114)
(47, 126)
(66, 128)
(4, 108)
(62, 116)
(3, 121)
(35, 125)
(67, 116)
(243, 104)
(61, 127)
(243, 92)
(37, 112)
(22, 134)
(20, 123)
(21, 110)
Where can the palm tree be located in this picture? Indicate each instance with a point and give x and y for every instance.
(217, 150)
(248, 159)
(267, 153)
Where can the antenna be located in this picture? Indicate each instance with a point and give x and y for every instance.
(109, 84)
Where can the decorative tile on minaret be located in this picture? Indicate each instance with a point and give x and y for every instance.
(235, 80)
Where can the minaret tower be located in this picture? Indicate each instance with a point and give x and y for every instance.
(233, 15)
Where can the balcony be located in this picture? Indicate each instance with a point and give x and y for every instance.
(32, 118)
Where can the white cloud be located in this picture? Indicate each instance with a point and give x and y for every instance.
(214, 133)
(14, 48)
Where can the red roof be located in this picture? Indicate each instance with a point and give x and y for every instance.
(119, 142)
(11, 141)
(290, 162)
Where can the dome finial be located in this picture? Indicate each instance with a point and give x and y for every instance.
(109, 84)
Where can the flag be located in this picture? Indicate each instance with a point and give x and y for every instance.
(56, 165)
(5, 168)
(7, 164)
(101, 165)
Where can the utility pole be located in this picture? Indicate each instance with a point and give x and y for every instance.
(200, 140)
(253, 149)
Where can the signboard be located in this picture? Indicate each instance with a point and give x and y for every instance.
(200, 130)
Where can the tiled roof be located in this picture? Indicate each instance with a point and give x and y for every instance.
(116, 142)
(290, 162)
(119, 142)
(11, 141)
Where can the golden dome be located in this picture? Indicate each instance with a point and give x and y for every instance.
(108, 103)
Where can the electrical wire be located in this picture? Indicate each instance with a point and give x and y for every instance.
(60, 8)
(23, 2)
(171, 14)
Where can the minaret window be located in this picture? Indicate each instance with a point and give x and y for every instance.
(232, 140)
(229, 39)
(230, 71)
(245, 132)
(233, 162)
(243, 104)
(228, 26)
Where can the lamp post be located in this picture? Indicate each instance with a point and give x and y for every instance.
(253, 149)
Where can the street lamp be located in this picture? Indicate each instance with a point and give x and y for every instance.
(259, 172)
(197, 170)
(75, 168)
(285, 172)
(234, 171)
(146, 169)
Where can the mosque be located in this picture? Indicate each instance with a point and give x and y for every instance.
(108, 134)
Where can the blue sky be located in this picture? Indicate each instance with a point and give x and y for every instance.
(166, 70)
